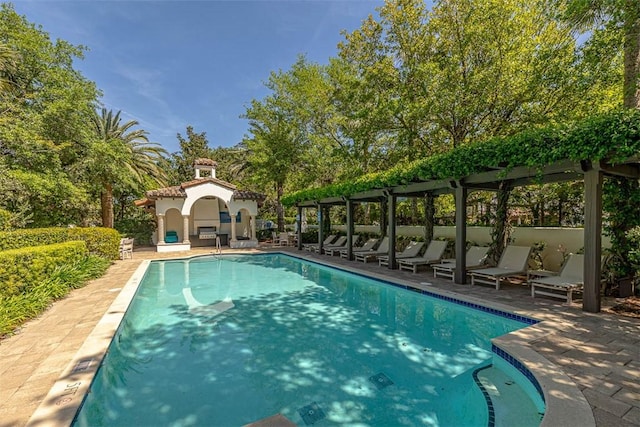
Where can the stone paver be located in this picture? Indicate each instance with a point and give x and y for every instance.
(599, 352)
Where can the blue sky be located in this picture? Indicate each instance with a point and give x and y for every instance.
(169, 64)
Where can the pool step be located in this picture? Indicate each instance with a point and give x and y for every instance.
(511, 404)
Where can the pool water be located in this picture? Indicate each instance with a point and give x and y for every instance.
(229, 340)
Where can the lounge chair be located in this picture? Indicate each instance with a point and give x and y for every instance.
(569, 280)
(335, 250)
(372, 255)
(367, 247)
(126, 248)
(339, 243)
(411, 251)
(171, 237)
(283, 239)
(475, 258)
(310, 246)
(513, 262)
(432, 255)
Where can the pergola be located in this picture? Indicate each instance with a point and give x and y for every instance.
(493, 178)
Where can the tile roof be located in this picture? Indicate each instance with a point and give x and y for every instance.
(178, 191)
(205, 162)
(175, 191)
(248, 195)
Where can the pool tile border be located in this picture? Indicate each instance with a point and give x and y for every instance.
(491, 422)
(520, 367)
(552, 383)
(480, 307)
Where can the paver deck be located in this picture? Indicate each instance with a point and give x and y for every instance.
(599, 352)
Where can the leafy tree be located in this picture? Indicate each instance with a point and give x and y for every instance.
(49, 104)
(44, 106)
(614, 26)
(8, 59)
(121, 157)
(277, 139)
(193, 147)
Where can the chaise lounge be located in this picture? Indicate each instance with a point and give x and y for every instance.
(432, 255)
(411, 251)
(338, 244)
(311, 246)
(475, 258)
(569, 280)
(367, 247)
(513, 262)
(366, 256)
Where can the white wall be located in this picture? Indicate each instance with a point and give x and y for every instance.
(205, 213)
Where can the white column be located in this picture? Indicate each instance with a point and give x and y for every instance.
(233, 226)
(160, 229)
(252, 225)
(185, 229)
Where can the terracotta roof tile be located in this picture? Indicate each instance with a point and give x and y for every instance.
(205, 162)
(175, 191)
(179, 190)
(248, 195)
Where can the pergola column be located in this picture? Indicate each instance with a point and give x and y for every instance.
(185, 229)
(350, 229)
(593, 179)
(391, 206)
(460, 275)
(160, 228)
(299, 228)
(320, 228)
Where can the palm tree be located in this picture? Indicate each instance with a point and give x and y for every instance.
(124, 156)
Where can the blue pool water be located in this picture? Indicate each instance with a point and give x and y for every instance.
(225, 341)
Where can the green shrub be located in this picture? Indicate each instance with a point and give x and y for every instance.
(100, 241)
(104, 242)
(5, 220)
(23, 269)
(16, 309)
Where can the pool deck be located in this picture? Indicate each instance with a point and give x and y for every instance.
(600, 352)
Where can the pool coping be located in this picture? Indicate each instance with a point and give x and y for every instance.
(61, 404)
(565, 403)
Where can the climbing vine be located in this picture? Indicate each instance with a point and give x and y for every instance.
(614, 136)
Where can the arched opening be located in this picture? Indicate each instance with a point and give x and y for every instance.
(173, 222)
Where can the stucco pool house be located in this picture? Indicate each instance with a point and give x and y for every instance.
(194, 213)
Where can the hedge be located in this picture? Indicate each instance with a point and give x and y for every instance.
(99, 241)
(23, 269)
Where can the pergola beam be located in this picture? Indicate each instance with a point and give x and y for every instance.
(631, 171)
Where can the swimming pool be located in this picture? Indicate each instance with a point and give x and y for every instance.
(234, 339)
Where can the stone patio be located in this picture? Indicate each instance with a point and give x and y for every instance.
(599, 352)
